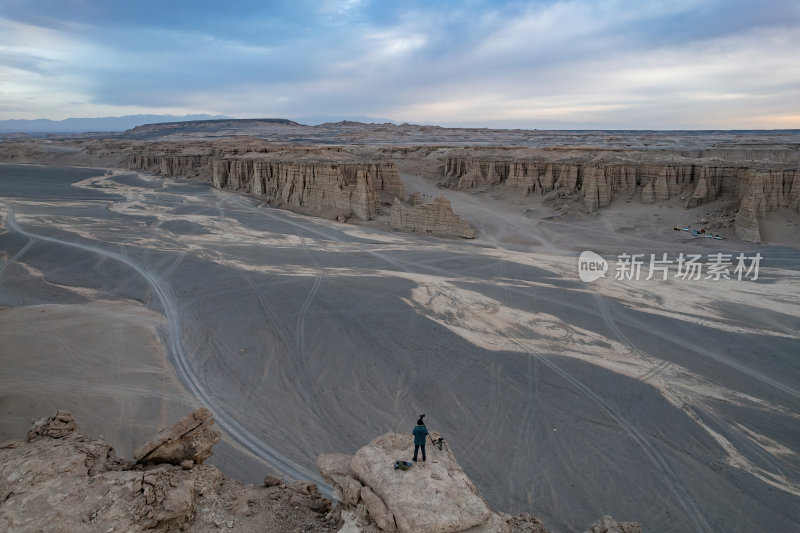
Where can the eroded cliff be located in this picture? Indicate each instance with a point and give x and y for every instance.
(757, 189)
(340, 189)
(331, 188)
(436, 218)
(348, 169)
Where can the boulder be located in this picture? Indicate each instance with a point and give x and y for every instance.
(350, 489)
(431, 496)
(190, 438)
(335, 470)
(54, 427)
(434, 496)
(608, 525)
(306, 494)
(377, 510)
(330, 464)
(271, 480)
(526, 523)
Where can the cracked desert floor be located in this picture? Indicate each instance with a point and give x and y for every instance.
(131, 299)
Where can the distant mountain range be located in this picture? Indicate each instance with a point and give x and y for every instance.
(322, 119)
(119, 124)
(81, 125)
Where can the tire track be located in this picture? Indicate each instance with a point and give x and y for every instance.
(672, 480)
(14, 257)
(171, 268)
(674, 483)
(703, 352)
(280, 332)
(628, 321)
(656, 369)
(180, 362)
(300, 353)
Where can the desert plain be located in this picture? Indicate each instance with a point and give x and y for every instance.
(131, 296)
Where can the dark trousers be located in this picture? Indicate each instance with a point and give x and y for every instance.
(419, 447)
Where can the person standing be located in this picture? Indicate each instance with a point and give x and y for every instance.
(420, 432)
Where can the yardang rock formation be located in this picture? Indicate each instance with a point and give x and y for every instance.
(758, 186)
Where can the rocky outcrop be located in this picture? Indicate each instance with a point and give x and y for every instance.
(648, 194)
(598, 182)
(349, 188)
(661, 184)
(452, 503)
(787, 153)
(59, 480)
(763, 192)
(436, 218)
(522, 177)
(327, 188)
(307, 494)
(608, 525)
(431, 496)
(55, 427)
(187, 166)
(189, 439)
(710, 183)
(758, 191)
(334, 189)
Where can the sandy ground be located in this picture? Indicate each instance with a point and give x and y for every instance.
(671, 402)
(781, 226)
(102, 360)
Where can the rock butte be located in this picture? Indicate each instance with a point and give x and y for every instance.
(436, 218)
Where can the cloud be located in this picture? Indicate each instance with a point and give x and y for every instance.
(691, 64)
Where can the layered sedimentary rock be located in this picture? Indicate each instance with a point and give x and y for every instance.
(662, 181)
(790, 153)
(188, 166)
(516, 176)
(317, 187)
(436, 218)
(350, 188)
(763, 192)
(598, 182)
(759, 191)
(648, 194)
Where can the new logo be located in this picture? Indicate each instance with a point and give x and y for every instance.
(591, 266)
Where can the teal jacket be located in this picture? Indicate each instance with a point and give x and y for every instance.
(420, 432)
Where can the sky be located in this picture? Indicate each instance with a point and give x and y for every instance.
(577, 64)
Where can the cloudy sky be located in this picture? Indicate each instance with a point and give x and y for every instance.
(701, 64)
